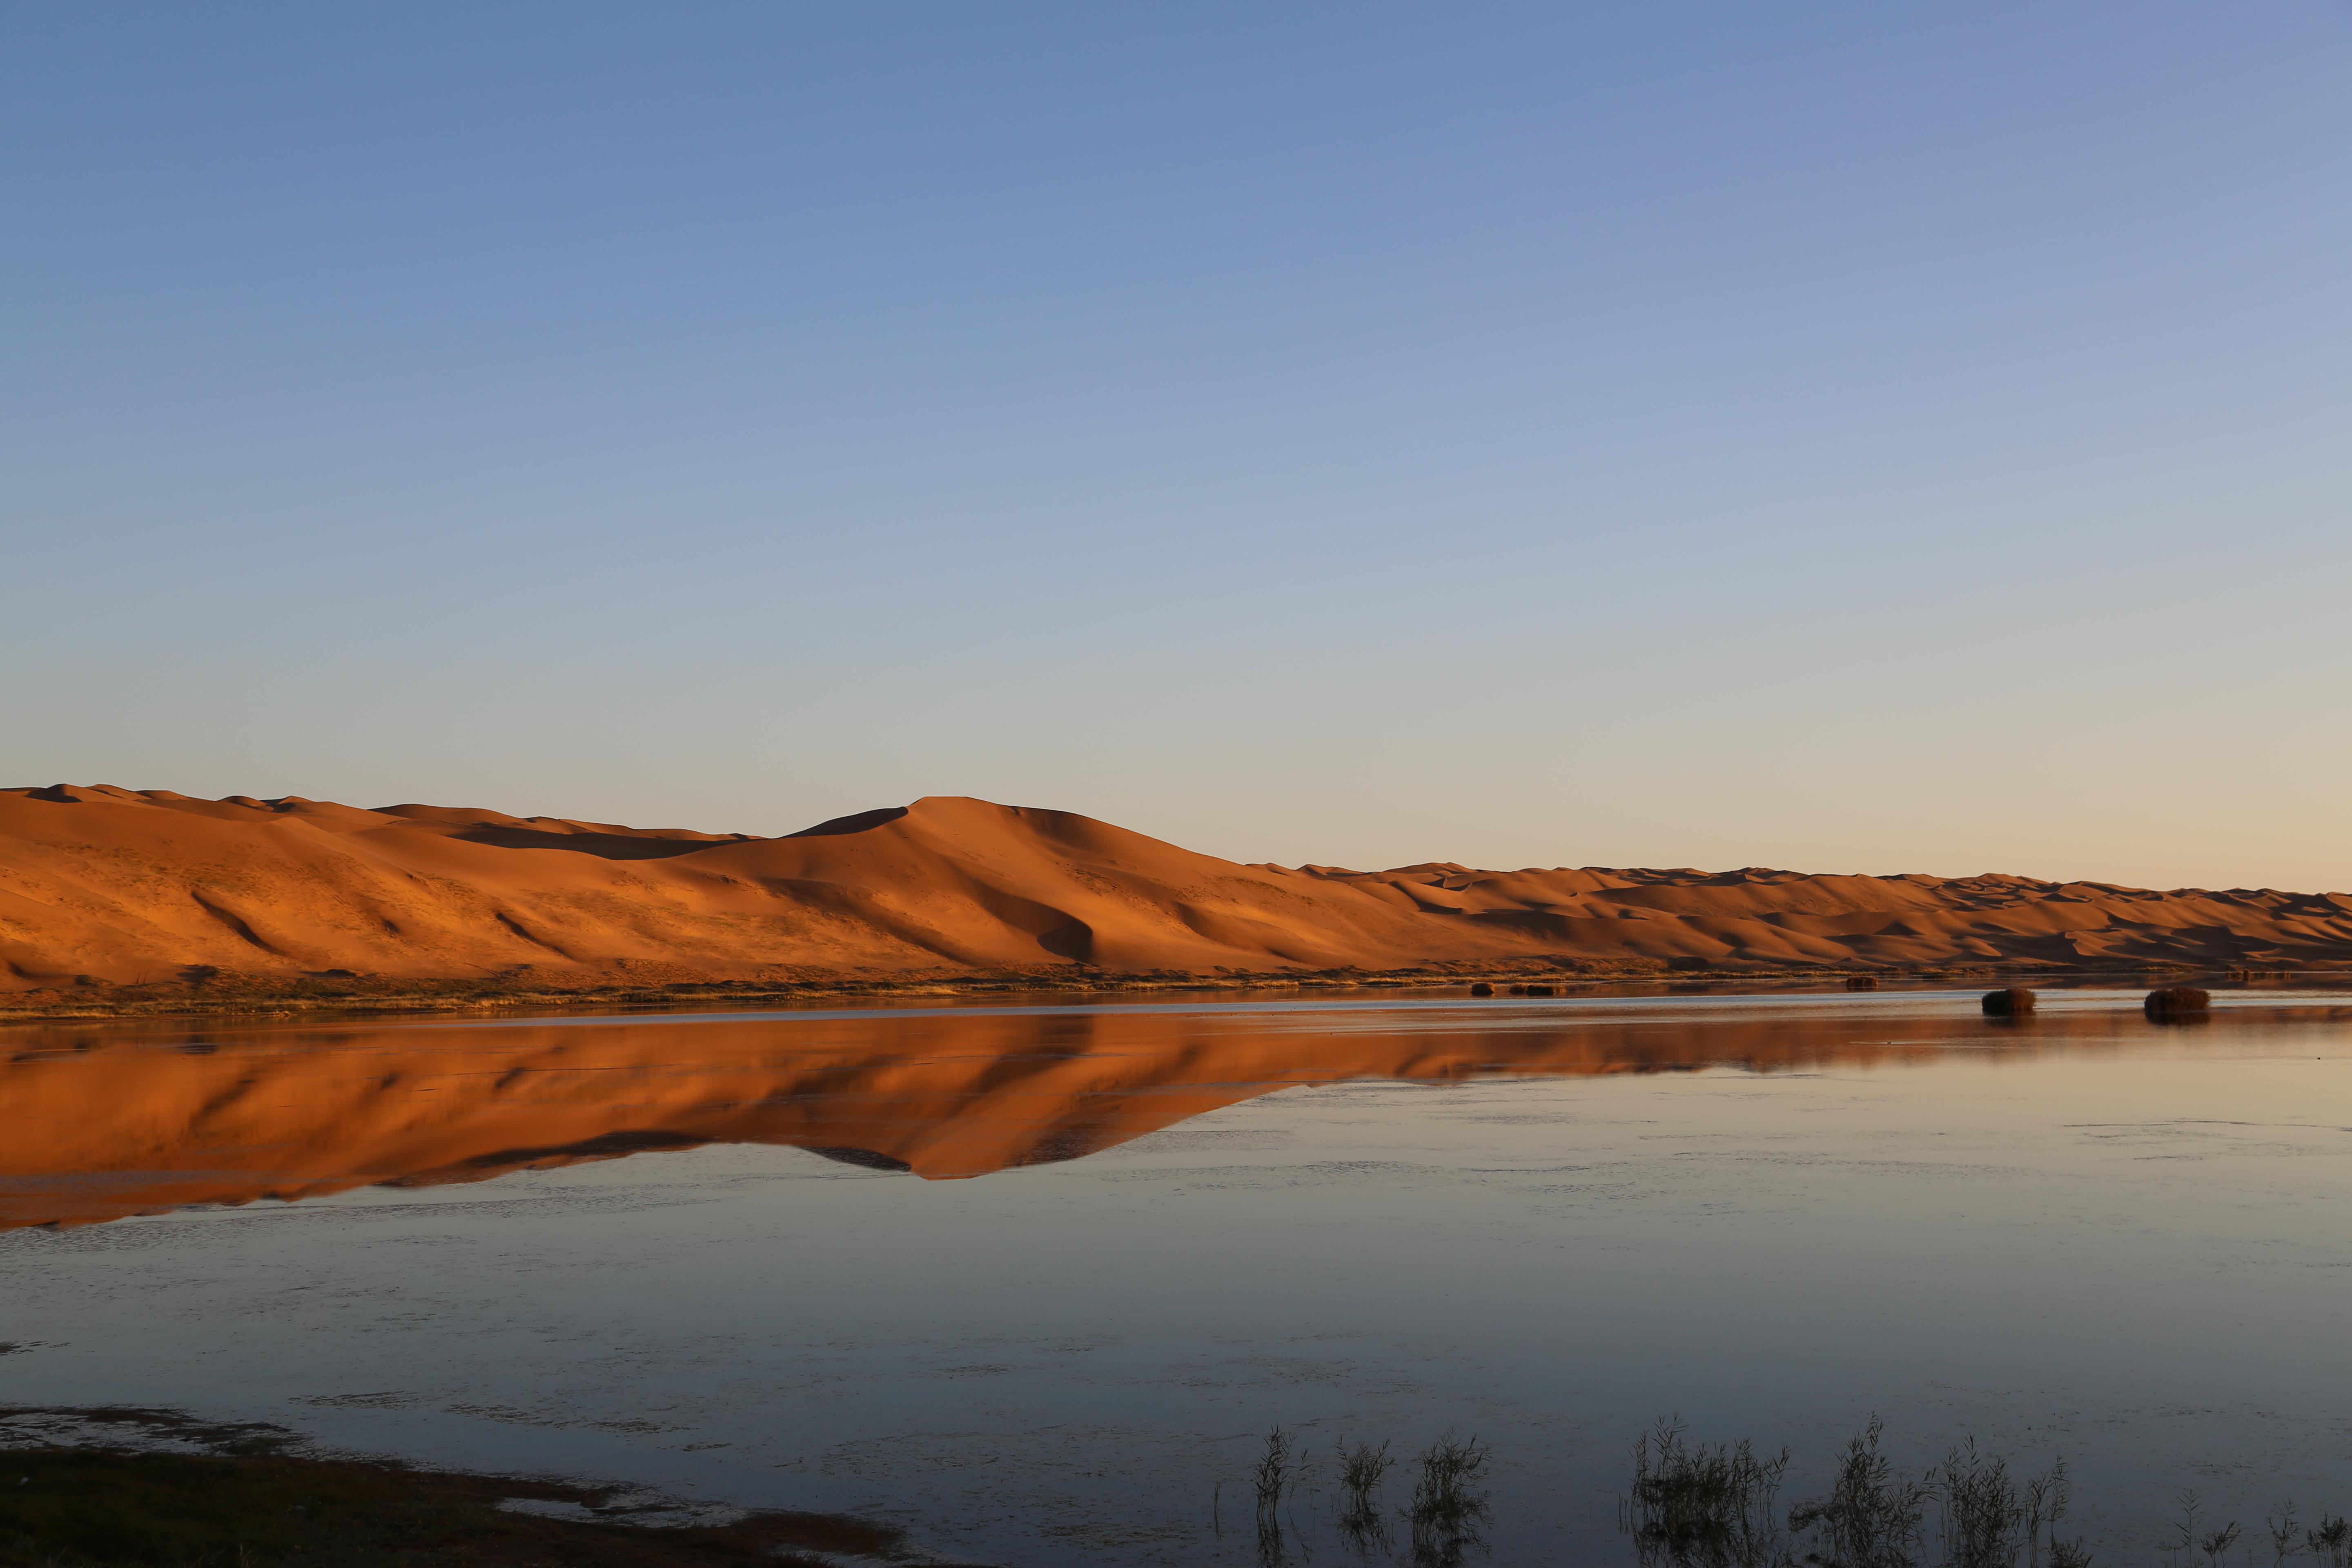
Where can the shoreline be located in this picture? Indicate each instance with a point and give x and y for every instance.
(223, 994)
(149, 1480)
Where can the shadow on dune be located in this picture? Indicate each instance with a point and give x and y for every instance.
(608, 847)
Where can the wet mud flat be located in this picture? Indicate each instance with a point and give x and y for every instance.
(115, 1486)
(1035, 1284)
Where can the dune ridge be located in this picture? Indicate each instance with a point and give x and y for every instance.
(100, 884)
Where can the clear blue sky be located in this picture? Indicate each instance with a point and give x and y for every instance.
(1854, 436)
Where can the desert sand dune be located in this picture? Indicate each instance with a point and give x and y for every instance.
(124, 886)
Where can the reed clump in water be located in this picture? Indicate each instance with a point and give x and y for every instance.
(1871, 1517)
(2330, 1540)
(1708, 1508)
(1988, 1518)
(1273, 1474)
(2009, 1002)
(1364, 1469)
(2189, 1534)
(2176, 1001)
(1449, 1508)
(1695, 1507)
(1276, 1473)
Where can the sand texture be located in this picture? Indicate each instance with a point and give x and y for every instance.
(101, 884)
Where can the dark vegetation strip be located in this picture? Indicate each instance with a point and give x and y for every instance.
(1688, 1505)
(1691, 1506)
(205, 992)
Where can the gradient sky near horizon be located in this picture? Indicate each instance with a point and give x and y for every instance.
(1849, 436)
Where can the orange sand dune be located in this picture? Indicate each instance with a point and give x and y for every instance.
(107, 1122)
(124, 886)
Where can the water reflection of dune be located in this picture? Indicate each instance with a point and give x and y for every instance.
(104, 1124)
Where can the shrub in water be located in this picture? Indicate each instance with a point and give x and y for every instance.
(2170, 1001)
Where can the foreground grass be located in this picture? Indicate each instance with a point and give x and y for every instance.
(93, 1508)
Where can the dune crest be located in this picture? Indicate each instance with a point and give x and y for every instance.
(125, 886)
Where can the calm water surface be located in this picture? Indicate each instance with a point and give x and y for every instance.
(1034, 1281)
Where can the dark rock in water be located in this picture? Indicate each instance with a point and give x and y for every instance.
(2170, 1001)
(1862, 983)
(2008, 1003)
(1482, 989)
(1542, 991)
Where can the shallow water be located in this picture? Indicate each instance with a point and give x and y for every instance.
(1055, 1270)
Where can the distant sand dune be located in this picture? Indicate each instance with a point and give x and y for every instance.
(126, 886)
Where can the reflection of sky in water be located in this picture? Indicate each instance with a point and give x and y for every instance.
(2084, 1235)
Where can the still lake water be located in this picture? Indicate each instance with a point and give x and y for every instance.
(1034, 1281)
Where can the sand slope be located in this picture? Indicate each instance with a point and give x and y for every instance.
(124, 886)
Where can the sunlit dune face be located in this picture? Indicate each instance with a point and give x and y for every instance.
(107, 886)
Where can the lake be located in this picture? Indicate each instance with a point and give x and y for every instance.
(1036, 1280)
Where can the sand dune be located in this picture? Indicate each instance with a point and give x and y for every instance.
(123, 886)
